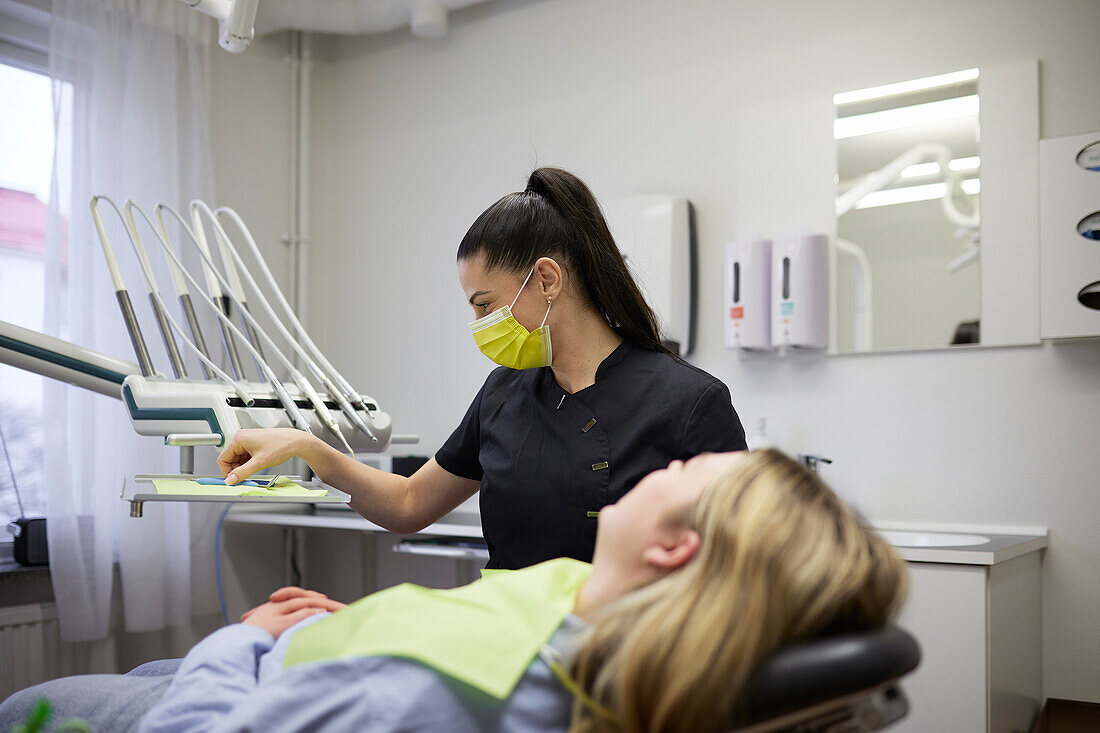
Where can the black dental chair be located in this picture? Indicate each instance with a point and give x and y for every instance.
(844, 683)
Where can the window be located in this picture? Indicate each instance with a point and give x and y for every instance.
(26, 162)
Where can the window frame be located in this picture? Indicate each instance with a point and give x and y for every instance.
(25, 38)
(23, 46)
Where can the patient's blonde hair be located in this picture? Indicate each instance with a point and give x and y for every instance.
(781, 559)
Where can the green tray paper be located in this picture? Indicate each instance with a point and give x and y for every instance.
(189, 487)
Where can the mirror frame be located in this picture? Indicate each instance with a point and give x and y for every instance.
(1009, 125)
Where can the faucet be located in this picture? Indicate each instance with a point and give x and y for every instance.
(811, 462)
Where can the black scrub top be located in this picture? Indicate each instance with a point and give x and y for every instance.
(546, 458)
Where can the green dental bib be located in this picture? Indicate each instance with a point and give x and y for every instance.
(484, 634)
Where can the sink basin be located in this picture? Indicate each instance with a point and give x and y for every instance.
(899, 538)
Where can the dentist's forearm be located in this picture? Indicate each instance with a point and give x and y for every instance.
(379, 496)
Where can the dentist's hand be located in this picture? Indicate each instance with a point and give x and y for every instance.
(252, 450)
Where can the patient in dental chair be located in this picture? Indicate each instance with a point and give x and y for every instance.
(700, 573)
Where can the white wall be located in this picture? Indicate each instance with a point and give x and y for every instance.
(729, 104)
(250, 129)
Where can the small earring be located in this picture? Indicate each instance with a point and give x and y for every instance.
(548, 301)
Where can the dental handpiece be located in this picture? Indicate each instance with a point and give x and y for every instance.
(234, 285)
(215, 292)
(336, 383)
(184, 296)
(345, 406)
(243, 393)
(153, 289)
(304, 385)
(141, 351)
(296, 418)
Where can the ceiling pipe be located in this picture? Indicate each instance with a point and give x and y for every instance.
(429, 20)
(425, 18)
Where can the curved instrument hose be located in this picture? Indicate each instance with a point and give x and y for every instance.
(243, 393)
(296, 417)
(349, 391)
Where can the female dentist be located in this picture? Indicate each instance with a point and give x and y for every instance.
(568, 424)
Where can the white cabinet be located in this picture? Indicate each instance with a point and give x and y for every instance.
(980, 635)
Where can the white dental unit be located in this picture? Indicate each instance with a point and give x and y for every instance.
(208, 409)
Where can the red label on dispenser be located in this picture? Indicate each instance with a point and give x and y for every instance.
(738, 312)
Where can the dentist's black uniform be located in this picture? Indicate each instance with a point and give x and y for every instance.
(546, 459)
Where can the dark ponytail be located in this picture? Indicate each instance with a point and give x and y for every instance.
(557, 216)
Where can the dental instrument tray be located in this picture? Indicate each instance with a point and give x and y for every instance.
(260, 489)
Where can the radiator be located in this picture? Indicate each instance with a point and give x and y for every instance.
(31, 650)
(29, 646)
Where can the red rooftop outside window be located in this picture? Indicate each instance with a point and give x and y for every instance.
(23, 224)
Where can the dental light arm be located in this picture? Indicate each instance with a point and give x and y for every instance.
(235, 20)
(883, 177)
(284, 398)
(349, 391)
(890, 172)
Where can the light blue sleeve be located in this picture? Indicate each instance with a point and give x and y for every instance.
(336, 696)
(234, 681)
(271, 663)
(216, 675)
(364, 694)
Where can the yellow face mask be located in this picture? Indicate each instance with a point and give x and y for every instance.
(504, 339)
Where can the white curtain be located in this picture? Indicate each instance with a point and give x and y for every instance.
(131, 109)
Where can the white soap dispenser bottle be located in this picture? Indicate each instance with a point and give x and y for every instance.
(759, 439)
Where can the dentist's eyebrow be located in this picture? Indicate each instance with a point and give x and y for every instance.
(477, 295)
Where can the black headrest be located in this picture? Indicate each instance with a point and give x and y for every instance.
(822, 669)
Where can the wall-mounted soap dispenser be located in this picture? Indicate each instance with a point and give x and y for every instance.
(747, 302)
(800, 292)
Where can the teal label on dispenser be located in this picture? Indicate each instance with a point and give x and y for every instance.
(786, 309)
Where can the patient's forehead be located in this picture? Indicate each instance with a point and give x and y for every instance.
(698, 472)
(717, 464)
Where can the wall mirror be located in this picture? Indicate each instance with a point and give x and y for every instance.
(908, 261)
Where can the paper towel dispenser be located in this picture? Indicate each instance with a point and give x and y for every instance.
(656, 235)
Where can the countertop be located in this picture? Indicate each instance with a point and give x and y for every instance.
(1005, 543)
(455, 524)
